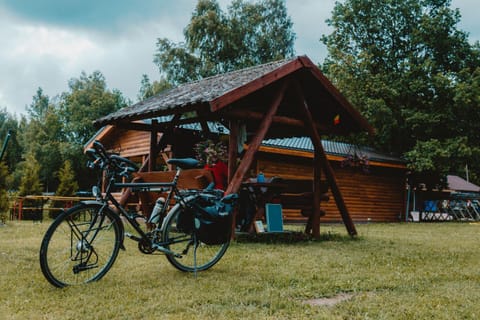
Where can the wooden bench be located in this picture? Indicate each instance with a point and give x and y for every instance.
(189, 179)
(298, 194)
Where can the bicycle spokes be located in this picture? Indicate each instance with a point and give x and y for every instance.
(81, 245)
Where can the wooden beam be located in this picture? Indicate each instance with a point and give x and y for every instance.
(317, 193)
(281, 120)
(248, 157)
(322, 160)
(232, 149)
(153, 146)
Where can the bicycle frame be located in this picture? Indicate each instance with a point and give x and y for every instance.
(169, 187)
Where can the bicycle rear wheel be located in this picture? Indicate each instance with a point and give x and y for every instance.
(81, 245)
(193, 255)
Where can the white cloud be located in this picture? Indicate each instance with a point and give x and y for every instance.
(309, 25)
(48, 55)
(48, 41)
(38, 52)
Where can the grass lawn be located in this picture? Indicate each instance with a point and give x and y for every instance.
(390, 271)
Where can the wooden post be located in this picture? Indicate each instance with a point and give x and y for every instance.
(317, 176)
(253, 146)
(232, 149)
(323, 161)
(153, 146)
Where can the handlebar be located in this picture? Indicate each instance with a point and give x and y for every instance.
(100, 158)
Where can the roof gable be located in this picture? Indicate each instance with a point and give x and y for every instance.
(245, 95)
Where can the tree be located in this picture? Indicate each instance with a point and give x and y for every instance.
(87, 100)
(30, 182)
(68, 184)
(217, 42)
(13, 152)
(148, 89)
(44, 138)
(4, 203)
(406, 66)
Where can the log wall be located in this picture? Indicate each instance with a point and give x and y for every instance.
(375, 196)
(128, 143)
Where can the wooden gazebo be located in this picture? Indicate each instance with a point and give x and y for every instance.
(285, 98)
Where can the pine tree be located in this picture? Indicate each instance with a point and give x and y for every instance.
(30, 181)
(30, 185)
(68, 184)
(4, 204)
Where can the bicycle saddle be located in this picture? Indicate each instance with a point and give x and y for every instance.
(184, 163)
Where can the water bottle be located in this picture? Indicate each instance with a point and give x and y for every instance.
(157, 209)
(260, 177)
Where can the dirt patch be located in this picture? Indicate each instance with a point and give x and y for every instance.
(329, 302)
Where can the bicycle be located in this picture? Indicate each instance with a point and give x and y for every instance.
(82, 243)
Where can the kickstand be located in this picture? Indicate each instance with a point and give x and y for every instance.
(195, 246)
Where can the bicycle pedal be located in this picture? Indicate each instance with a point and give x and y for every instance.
(131, 236)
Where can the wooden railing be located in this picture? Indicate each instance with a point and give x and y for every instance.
(34, 207)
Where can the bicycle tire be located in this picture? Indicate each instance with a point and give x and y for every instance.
(184, 244)
(81, 245)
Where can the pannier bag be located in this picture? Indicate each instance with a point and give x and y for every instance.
(210, 219)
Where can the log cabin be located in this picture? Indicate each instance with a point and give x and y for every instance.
(373, 191)
(280, 99)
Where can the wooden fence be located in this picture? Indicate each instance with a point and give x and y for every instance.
(35, 207)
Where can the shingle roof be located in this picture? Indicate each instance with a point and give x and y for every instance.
(197, 92)
(233, 95)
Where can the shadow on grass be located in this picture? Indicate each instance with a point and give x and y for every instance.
(291, 237)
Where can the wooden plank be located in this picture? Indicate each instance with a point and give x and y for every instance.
(189, 178)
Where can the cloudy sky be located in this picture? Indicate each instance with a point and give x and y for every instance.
(44, 43)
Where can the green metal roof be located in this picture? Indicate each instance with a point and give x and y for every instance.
(332, 148)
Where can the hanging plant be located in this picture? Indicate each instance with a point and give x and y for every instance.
(356, 160)
(209, 152)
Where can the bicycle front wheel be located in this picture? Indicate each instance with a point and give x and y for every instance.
(81, 245)
(190, 255)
